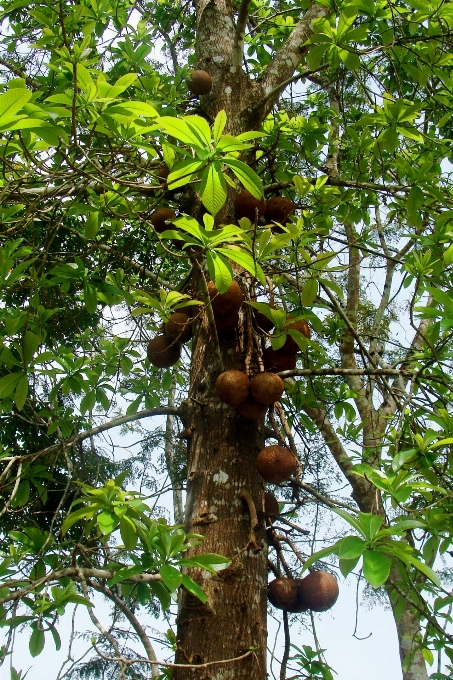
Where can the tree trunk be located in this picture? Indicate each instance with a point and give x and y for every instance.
(221, 465)
(408, 629)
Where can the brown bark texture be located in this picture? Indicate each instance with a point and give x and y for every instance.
(221, 464)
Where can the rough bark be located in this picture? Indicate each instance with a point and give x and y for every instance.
(221, 465)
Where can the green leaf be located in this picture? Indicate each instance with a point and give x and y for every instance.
(30, 343)
(22, 494)
(219, 271)
(219, 125)
(213, 188)
(171, 577)
(21, 393)
(75, 516)
(107, 522)
(370, 524)
(11, 102)
(161, 592)
(8, 383)
(128, 533)
(200, 127)
(351, 547)
(178, 128)
(183, 172)
(56, 637)
(346, 566)
(309, 292)
(376, 567)
(193, 588)
(248, 177)
(90, 298)
(245, 260)
(92, 225)
(36, 643)
(330, 550)
(209, 561)
(353, 521)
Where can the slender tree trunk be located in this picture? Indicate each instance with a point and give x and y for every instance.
(221, 465)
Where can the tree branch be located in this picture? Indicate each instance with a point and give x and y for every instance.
(289, 55)
(239, 35)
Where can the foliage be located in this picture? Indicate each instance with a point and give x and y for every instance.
(90, 115)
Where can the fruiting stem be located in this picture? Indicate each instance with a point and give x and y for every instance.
(254, 523)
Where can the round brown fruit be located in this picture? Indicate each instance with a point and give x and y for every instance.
(276, 464)
(162, 352)
(232, 387)
(279, 360)
(283, 593)
(278, 209)
(227, 323)
(271, 506)
(225, 303)
(163, 172)
(302, 326)
(251, 409)
(160, 217)
(318, 591)
(178, 327)
(245, 205)
(266, 388)
(199, 82)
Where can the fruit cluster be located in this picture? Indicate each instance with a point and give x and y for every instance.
(318, 591)
(277, 209)
(251, 397)
(164, 350)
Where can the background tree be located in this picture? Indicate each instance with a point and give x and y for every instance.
(344, 109)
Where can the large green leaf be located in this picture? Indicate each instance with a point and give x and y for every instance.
(245, 260)
(219, 125)
(171, 577)
(351, 547)
(219, 271)
(201, 129)
(213, 188)
(247, 177)
(11, 102)
(376, 567)
(178, 128)
(37, 642)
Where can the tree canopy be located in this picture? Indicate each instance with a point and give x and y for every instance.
(156, 156)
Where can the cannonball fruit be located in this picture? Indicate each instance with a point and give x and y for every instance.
(251, 409)
(199, 82)
(276, 464)
(245, 205)
(302, 327)
(178, 327)
(160, 217)
(226, 323)
(225, 303)
(271, 506)
(162, 352)
(163, 172)
(232, 387)
(277, 360)
(283, 593)
(318, 591)
(278, 209)
(266, 388)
